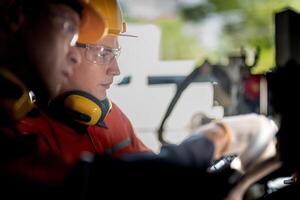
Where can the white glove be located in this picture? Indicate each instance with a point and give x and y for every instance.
(249, 136)
(252, 134)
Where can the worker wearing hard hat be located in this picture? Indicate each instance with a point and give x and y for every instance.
(84, 99)
(83, 103)
(36, 54)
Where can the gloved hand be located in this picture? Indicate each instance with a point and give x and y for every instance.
(219, 134)
(245, 135)
(252, 134)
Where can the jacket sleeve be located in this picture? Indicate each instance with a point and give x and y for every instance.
(195, 151)
(128, 133)
(137, 144)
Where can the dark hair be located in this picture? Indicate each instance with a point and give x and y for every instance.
(35, 7)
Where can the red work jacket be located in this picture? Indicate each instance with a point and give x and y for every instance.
(117, 139)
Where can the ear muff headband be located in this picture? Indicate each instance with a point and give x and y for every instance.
(85, 108)
(15, 107)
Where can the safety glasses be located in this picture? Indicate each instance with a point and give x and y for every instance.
(100, 54)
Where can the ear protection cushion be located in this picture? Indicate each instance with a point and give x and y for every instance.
(82, 107)
(15, 101)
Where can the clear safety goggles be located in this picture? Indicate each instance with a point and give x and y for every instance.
(100, 54)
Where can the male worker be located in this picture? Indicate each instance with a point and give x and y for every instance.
(26, 32)
(99, 126)
(96, 124)
(36, 39)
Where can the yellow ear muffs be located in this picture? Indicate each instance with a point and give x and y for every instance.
(89, 112)
(16, 101)
(82, 107)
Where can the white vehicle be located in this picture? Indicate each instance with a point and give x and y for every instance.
(147, 86)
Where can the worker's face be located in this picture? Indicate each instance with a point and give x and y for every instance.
(47, 45)
(98, 67)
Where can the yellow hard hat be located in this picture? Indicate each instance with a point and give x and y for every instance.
(99, 18)
(112, 15)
